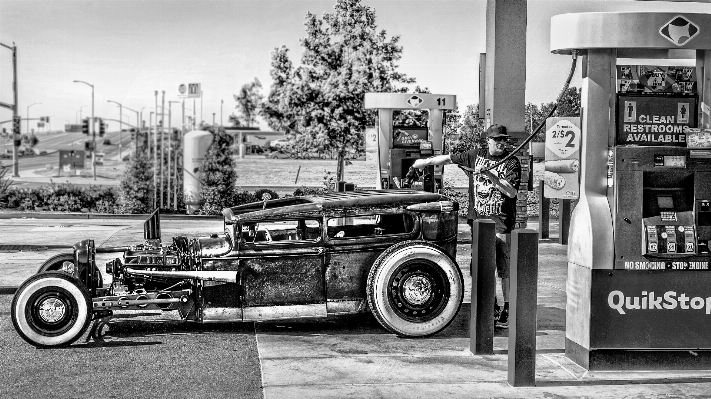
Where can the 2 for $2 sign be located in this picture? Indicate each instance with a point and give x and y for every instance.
(563, 139)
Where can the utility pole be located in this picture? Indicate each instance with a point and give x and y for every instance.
(13, 107)
(93, 128)
(162, 144)
(155, 154)
(170, 147)
(121, 128)
(175, 166)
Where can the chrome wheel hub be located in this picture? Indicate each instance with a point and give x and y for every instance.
(417, 289)
(52, 310)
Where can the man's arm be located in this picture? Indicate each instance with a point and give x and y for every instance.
(435, 160)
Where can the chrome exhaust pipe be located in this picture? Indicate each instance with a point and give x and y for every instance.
(224, 276)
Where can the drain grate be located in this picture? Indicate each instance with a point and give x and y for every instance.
(21, 248)
(28, 248)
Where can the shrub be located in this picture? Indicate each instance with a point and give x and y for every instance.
(462, 198)
(243, 197)
(67, 197)
(301, 191)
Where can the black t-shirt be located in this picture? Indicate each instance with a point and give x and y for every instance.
(485, 201)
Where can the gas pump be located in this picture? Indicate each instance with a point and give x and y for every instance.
(400, 146)
(639, 284)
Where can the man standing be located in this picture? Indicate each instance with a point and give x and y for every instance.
(492, 195)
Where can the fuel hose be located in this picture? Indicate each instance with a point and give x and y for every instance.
(540, 125)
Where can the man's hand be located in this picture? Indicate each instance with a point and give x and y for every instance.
(501, 184)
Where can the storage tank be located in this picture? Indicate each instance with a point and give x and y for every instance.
(195, 147)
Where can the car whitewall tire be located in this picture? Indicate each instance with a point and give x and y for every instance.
(51, 309)
(415, 289)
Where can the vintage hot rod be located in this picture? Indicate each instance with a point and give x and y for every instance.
(388, 251)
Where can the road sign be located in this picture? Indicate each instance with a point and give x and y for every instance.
(194, 90)
(182, 88)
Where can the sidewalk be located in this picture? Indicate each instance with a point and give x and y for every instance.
(32, 178)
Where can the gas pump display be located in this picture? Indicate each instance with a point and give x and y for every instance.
(656, 79)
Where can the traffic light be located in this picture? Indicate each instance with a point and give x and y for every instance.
(16, 124)
(85, 125)
(102, 127)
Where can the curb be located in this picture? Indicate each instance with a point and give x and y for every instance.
(76, 215)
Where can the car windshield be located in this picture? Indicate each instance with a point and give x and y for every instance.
(370, 225)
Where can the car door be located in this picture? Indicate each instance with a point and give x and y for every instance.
(353, 243)
(281, 266)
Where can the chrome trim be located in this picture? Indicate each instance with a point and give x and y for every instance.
(225, 276)
(221, 314)
(346, 307)
(284, 312)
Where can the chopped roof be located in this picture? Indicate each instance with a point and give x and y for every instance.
(314, 204)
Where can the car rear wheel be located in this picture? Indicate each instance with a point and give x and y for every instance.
(65, 263)
(415, 289)
(56, 262)
(51, 309)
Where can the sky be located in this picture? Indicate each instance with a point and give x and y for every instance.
(128, 49)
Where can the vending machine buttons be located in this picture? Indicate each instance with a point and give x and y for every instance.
(671, 239)
(689, 239)
(652, 244)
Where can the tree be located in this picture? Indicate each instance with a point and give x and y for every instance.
(5, 182)
(136, 188)
(569, 105)
(470, 131)
(319, 104)
(234, 121)
(218, 175)
(248, 101)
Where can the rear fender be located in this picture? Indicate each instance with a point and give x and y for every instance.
(85, 265)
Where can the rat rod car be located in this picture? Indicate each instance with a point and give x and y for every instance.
(388, 251)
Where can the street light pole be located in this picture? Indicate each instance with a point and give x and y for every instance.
(222, 103)
(155, 154)
(162, 144)
(121, 128)
(93, 128)
(80, 111)
(170, 146)
(28, 116)
(137, 124)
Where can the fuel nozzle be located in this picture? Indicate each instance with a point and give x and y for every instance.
(413, 175)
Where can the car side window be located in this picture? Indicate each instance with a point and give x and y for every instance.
(280, 231)
(370, 225)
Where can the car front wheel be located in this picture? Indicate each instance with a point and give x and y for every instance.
(51, 309)
(415, 289)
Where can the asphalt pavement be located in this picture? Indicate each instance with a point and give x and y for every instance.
(347, 356)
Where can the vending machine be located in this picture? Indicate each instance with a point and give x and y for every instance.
(399, 146)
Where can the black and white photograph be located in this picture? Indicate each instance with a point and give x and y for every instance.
(355, 198)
